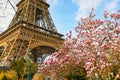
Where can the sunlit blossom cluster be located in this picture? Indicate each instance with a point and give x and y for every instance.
(96, 46)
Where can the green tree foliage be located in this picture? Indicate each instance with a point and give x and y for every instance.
(8, 75)
(4, 77)
(21, 67)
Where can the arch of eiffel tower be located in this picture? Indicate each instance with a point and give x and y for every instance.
(31, 29)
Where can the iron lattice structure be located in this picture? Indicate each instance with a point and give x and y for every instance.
(31, 28)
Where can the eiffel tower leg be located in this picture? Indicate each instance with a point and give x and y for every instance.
(6, 54)
(27, 50)
(16, 50)
(22, 49)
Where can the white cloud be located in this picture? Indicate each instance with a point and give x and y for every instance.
(112, 5)
(6, 14)
(85, 6)
(53, 2)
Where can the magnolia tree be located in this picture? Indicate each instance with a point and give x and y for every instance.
(92, 52)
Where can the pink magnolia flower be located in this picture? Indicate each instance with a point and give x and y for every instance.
(95, 47)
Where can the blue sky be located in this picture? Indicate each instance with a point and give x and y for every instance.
(66, 13)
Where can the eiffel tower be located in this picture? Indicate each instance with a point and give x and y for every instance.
(31, 34)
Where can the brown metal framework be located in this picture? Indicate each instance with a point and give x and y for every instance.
(32, 28)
